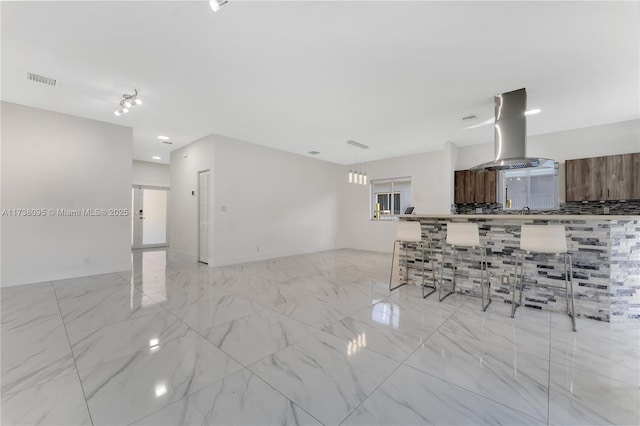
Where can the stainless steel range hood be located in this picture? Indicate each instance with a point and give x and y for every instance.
(510, 135)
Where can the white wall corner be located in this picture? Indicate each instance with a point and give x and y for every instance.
(450, 161)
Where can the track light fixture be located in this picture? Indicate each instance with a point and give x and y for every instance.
(217, 4)
(128, 101)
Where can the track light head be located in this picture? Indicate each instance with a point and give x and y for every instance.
(217, 4)
(127, 102)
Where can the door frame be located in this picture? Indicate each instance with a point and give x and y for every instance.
(135, 213)
(198, 214)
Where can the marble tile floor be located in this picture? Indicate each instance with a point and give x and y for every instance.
(309, 339)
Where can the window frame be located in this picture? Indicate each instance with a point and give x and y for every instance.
(527, 174)
(373, 197)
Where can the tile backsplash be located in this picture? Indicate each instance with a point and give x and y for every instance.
(572, 208)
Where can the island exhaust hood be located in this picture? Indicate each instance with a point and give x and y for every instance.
(510, 135)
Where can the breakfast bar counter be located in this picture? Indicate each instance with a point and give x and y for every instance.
(605, 253)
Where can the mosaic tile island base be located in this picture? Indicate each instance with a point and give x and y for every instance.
(605, 254)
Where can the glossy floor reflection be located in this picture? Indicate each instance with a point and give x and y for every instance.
(309, 339)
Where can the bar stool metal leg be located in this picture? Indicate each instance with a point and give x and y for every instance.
(517, 278)
(484, 278)
(433, 271)
(572, 312)
(444, 261)
(396, 243)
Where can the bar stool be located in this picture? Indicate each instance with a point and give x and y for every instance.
(465, 235)
(546, 239)
(410, 232)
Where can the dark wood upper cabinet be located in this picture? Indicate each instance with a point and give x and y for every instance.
(615, 177)
(585, 179)
(459, 186)
(469, 187)
(490, 182)
(472, 187)
(623, 174)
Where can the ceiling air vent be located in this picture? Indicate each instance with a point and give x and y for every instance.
(41, 79)
(314, 152)
(469, 117)
(167, 142)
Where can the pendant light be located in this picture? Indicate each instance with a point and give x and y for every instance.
(358, 175)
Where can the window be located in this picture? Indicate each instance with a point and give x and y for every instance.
(390, 197)
(536, 188)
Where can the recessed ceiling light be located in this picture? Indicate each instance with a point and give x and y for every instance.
(155, 157)
(161, 389)
(163, 138)
(532, 111)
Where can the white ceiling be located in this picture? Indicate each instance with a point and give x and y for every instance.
(302, 76)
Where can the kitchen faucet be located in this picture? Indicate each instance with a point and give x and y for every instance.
(522, 209)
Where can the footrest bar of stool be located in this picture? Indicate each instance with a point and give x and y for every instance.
(399, 285)
(447, 295)
(433, 287)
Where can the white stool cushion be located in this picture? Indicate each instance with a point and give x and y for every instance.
(463, 234)
(543, 238)
(409, 232)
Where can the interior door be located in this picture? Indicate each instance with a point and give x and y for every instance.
(203, 216)
(149, 217)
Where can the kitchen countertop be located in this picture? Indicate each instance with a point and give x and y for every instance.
(601, 217)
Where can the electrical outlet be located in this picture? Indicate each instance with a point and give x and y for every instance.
(478, 210)
(504, 280)
(605, 210)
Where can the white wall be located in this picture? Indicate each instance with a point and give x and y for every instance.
(265, 202)
(184, 166)
(57, 161)
(430, 194)
(151, 174)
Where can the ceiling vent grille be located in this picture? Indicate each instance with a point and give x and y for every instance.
(167, 142)
(469, 117)
(41, 79)
(314, 152)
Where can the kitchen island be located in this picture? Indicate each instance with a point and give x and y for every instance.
(605, 253)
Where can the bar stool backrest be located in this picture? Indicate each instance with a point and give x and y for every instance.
(543, 238)
(409, 232)
(463, 234)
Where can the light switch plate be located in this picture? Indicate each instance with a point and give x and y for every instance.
(605, 210)
(478, 210)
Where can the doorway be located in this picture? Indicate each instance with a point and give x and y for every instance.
(203, 216)
(149, 217)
